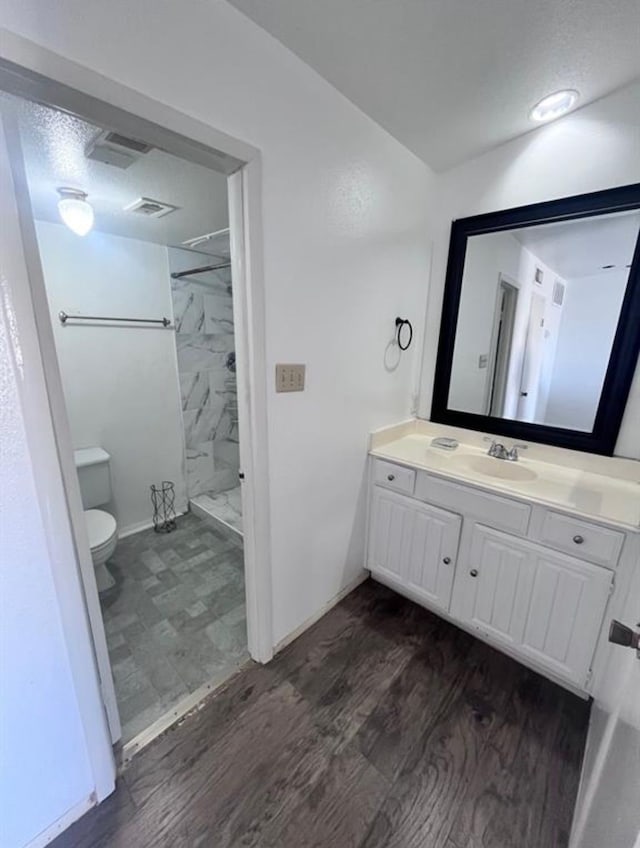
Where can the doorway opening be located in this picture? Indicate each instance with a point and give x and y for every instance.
(145, 362)
(502, 343)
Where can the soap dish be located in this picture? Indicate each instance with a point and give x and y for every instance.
(444, 443)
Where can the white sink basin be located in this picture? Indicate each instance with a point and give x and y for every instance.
(501, 469)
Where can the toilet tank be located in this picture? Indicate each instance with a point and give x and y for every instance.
(92, 465)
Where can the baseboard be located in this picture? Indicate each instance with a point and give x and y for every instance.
(49, 834)
(324, 609)
(143, 525)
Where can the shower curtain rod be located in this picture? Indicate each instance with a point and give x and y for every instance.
(201, 270)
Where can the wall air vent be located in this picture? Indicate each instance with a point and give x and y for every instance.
(150, 208)
(558, 293)
(112, 148)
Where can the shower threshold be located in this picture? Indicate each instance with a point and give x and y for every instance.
(225, 508)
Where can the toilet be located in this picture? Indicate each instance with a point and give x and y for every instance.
(92, 465)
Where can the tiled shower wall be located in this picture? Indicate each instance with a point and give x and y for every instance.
(203, 312)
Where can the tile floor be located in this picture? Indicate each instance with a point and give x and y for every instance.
(175, 619)
(222, 506)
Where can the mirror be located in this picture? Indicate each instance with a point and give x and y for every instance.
(541, 320)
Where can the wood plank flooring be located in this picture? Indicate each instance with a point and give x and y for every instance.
(382, 725)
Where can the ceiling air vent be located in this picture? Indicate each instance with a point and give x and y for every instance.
(128, 143)
(558, 293)
(112, 148)
(150, 208)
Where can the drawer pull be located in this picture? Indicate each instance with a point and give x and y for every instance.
(474, 572)
(446, 560)
(578, 539)
(392, 477)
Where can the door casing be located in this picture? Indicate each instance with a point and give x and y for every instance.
(34, 73)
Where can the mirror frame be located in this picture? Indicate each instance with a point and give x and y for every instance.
(626, 343)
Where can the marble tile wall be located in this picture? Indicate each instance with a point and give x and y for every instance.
(203, 313)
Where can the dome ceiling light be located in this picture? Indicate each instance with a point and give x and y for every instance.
(554, 105)
(75, 210)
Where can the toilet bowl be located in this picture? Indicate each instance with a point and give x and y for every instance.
(102, 531)
(92, 465)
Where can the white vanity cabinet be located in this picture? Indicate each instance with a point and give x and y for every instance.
(545, 605)
(415, 544)
(529, 579)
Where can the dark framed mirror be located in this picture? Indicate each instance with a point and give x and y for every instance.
(540, 328)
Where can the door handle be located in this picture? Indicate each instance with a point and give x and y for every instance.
(620, 634)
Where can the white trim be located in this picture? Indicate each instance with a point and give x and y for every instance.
(348, 589)
(245, 223)
(65, 821)
(132, 529)
(71, 566)
(81, 91)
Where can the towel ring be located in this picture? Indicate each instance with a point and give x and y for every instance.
(400, 323)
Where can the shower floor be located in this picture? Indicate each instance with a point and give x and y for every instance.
(223, 507)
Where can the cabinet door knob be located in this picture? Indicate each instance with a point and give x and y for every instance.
(578, 539)
(446, 560)
(474, 572)
(391, 477)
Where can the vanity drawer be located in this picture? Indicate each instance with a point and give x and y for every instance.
(503, 513)
(395, 477)
(580, 538)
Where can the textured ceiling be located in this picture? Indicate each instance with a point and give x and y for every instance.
(453, 78)
(580, 248)
(54, 146)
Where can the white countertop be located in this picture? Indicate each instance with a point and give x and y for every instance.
(592, 486)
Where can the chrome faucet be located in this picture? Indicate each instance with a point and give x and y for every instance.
(499, 451)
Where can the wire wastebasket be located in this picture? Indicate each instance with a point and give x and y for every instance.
(163, 498)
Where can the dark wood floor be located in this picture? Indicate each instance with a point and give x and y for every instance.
(380, 726)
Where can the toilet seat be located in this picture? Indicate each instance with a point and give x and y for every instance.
(103, 534)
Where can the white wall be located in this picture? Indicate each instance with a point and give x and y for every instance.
(594, 148)
(120, 381)
(589, 321)
(346, 244)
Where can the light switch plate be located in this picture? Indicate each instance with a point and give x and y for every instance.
(290, 378)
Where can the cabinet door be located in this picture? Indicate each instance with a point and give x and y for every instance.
(547, 605)
(415, 544)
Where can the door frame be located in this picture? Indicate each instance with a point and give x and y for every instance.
(541, 299)
(34, 73)
(505, 284)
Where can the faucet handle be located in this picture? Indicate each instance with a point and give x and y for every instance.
(513, 452)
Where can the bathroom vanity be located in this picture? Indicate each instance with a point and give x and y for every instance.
(533, 556)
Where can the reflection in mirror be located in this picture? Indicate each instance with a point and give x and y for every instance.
(539, 309)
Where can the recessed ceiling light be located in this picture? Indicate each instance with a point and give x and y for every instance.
(554, 105)
(75, 210)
